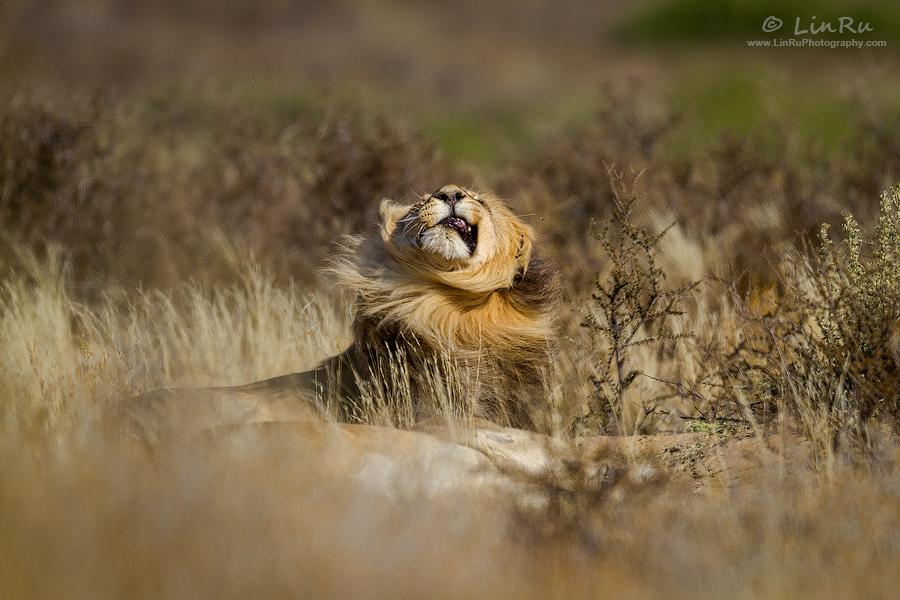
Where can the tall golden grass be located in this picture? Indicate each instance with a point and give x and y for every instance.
(64, 362)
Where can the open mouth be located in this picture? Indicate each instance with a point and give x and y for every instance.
(468, 233)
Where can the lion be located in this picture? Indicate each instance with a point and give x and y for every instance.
(452, 312)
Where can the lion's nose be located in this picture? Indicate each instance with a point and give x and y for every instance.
(450, 194)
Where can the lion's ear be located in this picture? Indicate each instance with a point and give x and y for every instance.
(523, 254)
(390, 214)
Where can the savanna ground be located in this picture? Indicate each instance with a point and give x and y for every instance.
(173, 176)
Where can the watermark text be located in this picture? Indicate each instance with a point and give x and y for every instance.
(844, 24)
(811, 43)
(811, 27)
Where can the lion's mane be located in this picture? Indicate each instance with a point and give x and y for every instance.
(452, 287)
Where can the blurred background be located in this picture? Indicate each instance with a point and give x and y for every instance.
(470, 74)
(128, 126)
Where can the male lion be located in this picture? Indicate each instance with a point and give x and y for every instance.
(452, 313)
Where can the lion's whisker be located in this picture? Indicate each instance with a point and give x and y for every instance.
(410, 223)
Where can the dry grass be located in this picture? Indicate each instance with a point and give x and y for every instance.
(64, 363)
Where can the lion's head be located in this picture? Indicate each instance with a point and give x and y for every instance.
(458, 237)
(454, 275)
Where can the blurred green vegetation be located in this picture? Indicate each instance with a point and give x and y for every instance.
(744, 102)
(477, 139)
(669, 21)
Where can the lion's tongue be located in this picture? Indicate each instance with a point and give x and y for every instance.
(462, 228)
(457, 224)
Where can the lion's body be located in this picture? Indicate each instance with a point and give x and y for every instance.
(452, 313)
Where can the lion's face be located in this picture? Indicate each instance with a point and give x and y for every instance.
(447, 222)
(458, 237)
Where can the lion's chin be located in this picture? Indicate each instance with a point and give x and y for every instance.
(446, 243)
